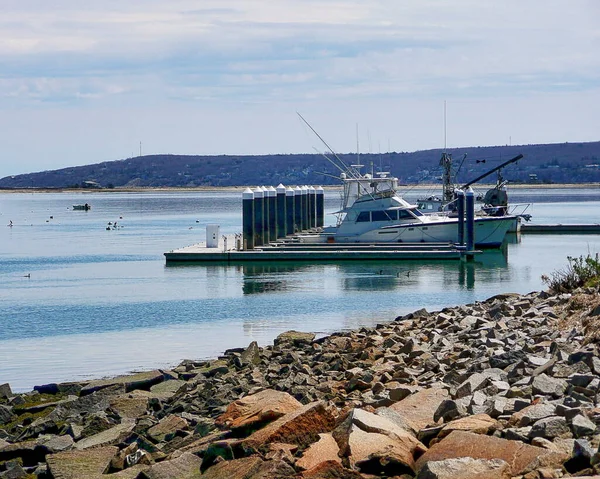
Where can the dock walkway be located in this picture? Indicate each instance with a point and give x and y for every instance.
(561, 229)
(294, 251)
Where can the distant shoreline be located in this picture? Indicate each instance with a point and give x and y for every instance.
(173, 189)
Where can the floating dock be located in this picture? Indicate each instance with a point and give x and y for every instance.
(561, 229)
(273, 217)
(290, 251)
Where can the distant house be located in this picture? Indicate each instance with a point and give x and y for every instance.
(90, 184)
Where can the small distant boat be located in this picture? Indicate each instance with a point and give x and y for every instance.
(84, 207)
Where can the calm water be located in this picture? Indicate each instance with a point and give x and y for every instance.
(80, 301)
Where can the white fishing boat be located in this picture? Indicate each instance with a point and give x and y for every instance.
(374, 212)
(494, 202)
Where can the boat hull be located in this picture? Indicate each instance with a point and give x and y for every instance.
(489, 232)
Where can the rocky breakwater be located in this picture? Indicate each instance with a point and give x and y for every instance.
(504, 388)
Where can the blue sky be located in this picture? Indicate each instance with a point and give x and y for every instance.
(84, 84)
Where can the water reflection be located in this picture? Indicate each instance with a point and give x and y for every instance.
(334, 277)
(266, 278)
(487, 260)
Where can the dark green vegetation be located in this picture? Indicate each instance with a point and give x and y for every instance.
(580, 272)
(551, 163)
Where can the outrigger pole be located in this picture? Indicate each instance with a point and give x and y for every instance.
(516, 158)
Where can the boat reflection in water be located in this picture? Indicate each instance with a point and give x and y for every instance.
(330, 278)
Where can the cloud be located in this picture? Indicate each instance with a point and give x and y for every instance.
(257, 49)
(327, 57)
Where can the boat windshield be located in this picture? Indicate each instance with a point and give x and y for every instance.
(387, 215)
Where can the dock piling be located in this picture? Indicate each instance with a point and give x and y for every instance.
(272, 217)
(320, 207)
(305, 210)
(248, 218)
(290, 214)
(297, 209)
(470, 215)
(281, 213)
(258, 217)
(461, 216)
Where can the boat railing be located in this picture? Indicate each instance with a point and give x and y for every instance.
(518, 209)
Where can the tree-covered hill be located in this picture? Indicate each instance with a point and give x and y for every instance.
(547, 163)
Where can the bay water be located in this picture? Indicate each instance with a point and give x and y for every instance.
(81, 298)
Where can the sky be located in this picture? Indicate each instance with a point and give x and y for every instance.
(102, 80)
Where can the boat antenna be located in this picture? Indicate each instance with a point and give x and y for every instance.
(446, 164)
(328, 174)
(444, 126)
(357, 147)
(329, 159)
(460, 165)
(351, 171)
(324, 142)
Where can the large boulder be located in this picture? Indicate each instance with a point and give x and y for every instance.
(521, 457)
(6, 415)
(477, 423)
(258, 409)
(251, 355)
(465, 468)
(300, 427)
(374, 444)
(186, 466)
(324, 450)
(295, 338)
(531, 414)
(378, 454)
(473, 383)
(91, 463)
(30, 452)
(143, 380)
(166, 389)
(114, 435)
(167, 428)
(129, 407)
(249, 468)
(419, 408)
(330, 470)
(5, 391)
